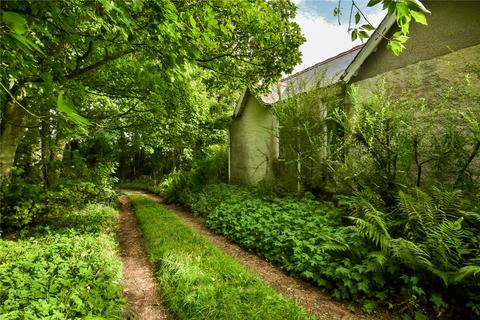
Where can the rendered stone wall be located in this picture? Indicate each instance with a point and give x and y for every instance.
(429, 78)
(452, 26)
(252, 144)
(253, 136)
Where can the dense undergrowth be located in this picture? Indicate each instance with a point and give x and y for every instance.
(64, 267)
(403, 231)
(419, 261)
(199, 281)
(25, 200)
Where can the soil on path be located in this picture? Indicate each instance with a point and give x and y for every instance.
(305, 294)
(140, 288)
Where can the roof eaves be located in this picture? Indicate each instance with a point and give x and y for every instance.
(237, 112)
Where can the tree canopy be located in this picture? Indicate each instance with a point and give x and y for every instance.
(72, 60)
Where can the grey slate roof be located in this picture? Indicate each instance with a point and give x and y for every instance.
(321, 74)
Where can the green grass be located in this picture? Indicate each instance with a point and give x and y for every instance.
(197, 280)
(66, 268)
(146, 185)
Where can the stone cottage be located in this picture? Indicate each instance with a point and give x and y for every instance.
(435, 53)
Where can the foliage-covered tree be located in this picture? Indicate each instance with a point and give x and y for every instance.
(59, 52)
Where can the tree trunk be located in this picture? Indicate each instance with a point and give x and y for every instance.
(56, 158)
(12, 130)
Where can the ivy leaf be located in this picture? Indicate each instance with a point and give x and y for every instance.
(70, 113)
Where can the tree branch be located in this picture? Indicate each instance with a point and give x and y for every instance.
(98, 64)
(18, 103)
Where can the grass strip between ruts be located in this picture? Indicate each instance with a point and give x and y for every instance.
(197, 280)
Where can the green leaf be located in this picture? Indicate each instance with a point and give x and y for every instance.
(402, 10)
(357, 17)
(69, 112)
(399, 37)
(372, 3)
(193, 22)
(419, 17)
(367, 27)
(416, 5)
(15, 22)
(420, 316)
(354, 34)
(395, 47)
(363, 35)
(25, 44)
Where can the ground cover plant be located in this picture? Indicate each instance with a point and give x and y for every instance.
(421, 261)
(197, 280)
(65, 267)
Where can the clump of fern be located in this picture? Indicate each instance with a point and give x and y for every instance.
(427, 238)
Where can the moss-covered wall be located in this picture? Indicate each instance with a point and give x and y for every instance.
(452, 25)
(252, 144)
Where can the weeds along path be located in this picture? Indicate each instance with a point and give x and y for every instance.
(140, 288)
(303, 293)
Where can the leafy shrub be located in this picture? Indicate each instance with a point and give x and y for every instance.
(204, 203)
(300, 234)
(425, 253)
(176, 186)
(21, 203)
(179, 184)
(66, 268)
(74, 194)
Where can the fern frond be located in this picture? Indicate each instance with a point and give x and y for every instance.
(444, 276)
(418, 210)
(376, 261)
(467, 271)
(470, 215)
(410, 254)
(445, 244)
(336, 247)
(448, 202)
(373, 227)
